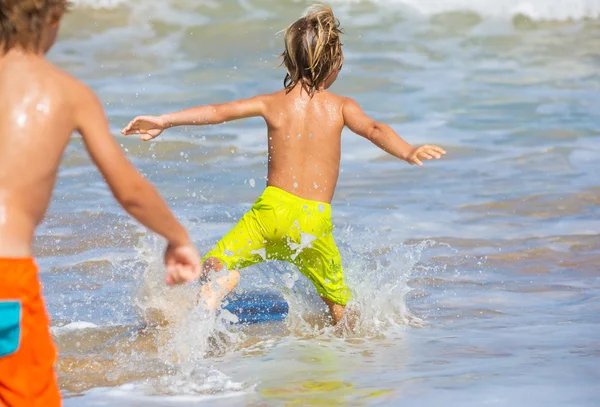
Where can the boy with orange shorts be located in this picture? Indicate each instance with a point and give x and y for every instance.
(291, 220)
(40, 107)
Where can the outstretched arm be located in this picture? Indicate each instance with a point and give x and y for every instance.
(149, 127)
(384, 137)
(137, 196)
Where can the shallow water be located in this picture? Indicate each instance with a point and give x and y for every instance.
(476, 276)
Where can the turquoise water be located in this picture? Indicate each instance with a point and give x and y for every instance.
(476, 276)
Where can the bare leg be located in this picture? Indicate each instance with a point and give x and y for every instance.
(213, 292)
(336, 310)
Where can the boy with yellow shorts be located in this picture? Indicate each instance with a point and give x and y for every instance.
(283, 226)
(292, 219)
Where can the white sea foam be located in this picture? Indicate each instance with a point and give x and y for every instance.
(535, 9)
(98, 4)
(216, 387)
(189, 331)
(73, 326)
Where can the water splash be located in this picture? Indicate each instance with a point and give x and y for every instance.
(376, 273)
(377, 277)
(187, 334)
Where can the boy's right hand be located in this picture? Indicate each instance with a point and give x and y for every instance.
(425, 152)
(148, 127)
(182, 262)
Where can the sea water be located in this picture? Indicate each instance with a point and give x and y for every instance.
(475, 278)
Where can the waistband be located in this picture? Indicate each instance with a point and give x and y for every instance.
(18, 261)
(17, 269)
(288, 197)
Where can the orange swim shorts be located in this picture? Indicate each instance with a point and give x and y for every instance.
(27, 353)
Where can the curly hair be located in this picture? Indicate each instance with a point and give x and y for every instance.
(313, 49)
(22, 21)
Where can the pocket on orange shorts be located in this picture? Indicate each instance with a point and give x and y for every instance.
(10, 327)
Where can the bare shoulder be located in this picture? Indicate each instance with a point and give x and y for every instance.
(270, 103)
(348, 102)
(57, 75)
(272, 98)
(80, 93)
(73, 91)
(82, 102)
(337, 100)
(355, 118)
(344, 104)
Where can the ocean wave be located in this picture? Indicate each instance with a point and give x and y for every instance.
(551, 10)
(534, 9)
(73, 326)
(217, 386)
(99, 4)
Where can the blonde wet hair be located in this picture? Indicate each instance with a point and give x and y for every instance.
(313, 50)
(22, 21)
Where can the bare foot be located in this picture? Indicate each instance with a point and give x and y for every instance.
(348, 324)
(213, 292)
(336, 310)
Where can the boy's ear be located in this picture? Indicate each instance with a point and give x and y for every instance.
(55, 18)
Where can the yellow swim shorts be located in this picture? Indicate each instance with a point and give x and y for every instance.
(282, 226)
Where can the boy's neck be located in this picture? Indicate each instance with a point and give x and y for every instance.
(304, 91)
(20, 52)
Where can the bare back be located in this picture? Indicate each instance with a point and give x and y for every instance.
(304, 142)
(35, 124)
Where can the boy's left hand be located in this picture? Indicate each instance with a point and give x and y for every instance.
(425, 152)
